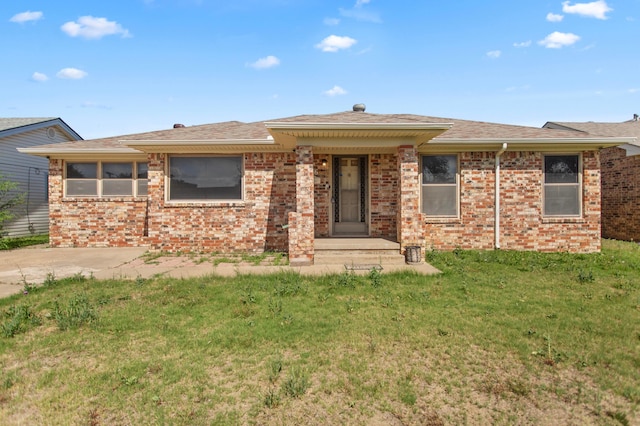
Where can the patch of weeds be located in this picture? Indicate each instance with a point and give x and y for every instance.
(275, 306)
(77, 312)
(152, 258)
(29, 288)
(442, 332)
(287, 319)
(248, 297)
(406, 392)
(19, 319)
(346, 280)
(351, 305)
(224, 259)
(78, 277)
(585, 277)
(140, 281)
(274, 369)
(549, 354)
(519, 387)
(129, 381)
(296, 384)
(290, 286)
(375, 277)
(254, 259)
(272, 398)
(50, 280)
(279, 259)
(619, 417)
(8, 380)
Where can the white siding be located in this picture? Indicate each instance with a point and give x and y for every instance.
(31, 173)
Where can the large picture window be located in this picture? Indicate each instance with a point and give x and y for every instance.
(562, 185)
(105, 179)
(205, 178)
(440, 185)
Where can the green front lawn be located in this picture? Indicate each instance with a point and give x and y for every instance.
(499, 337)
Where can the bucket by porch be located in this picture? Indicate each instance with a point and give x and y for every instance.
(413, 254)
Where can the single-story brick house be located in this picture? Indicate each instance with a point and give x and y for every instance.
(280, 184)
(620, 176)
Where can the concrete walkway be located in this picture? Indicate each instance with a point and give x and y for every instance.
(33, 265)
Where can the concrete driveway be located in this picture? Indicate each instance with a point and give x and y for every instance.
(33, 265)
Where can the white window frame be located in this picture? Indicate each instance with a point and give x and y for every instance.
(170, 200)
(455, 185)
(578, 185)
(135, 185)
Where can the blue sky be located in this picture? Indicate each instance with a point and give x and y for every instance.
(118, 67)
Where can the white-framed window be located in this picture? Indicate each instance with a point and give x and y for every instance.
(105, 179)
(205, 178)
(562, 185)
(440, 185)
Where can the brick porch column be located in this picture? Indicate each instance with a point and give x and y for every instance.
(301, 226)
(410, 228)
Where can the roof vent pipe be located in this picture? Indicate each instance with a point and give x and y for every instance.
(635, 117)
(359, 108)
(178, 126)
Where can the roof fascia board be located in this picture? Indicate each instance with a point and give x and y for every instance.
(64, 153)
(591, 142)
(198, 142)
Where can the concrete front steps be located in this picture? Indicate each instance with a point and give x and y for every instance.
(364, 254)
(353, 252)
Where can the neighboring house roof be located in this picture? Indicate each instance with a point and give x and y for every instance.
(629, 128)
(431, 133)
(12, 126)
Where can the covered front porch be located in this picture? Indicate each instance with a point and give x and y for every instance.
(355, 180)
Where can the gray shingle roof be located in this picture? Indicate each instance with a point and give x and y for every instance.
(235, 130)
(629, 128)
(14, 123)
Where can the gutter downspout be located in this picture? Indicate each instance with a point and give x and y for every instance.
(497, 192)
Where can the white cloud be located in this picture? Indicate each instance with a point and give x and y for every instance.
(333, 43)
(26, 17)
(335, 91)
(361, 2)
(71, 74)
(552, 17)
(597, 9)
(38, 76)
(331, 22)
(93, 28)
(634, 90)
(266, 62)
(522, 44)
(494, 54)
(557, 40)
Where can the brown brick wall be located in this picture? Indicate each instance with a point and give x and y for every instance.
(322, 195)
(93, 222)
(522, 225)
(620, 195)
(256, 224)
(474, 228)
